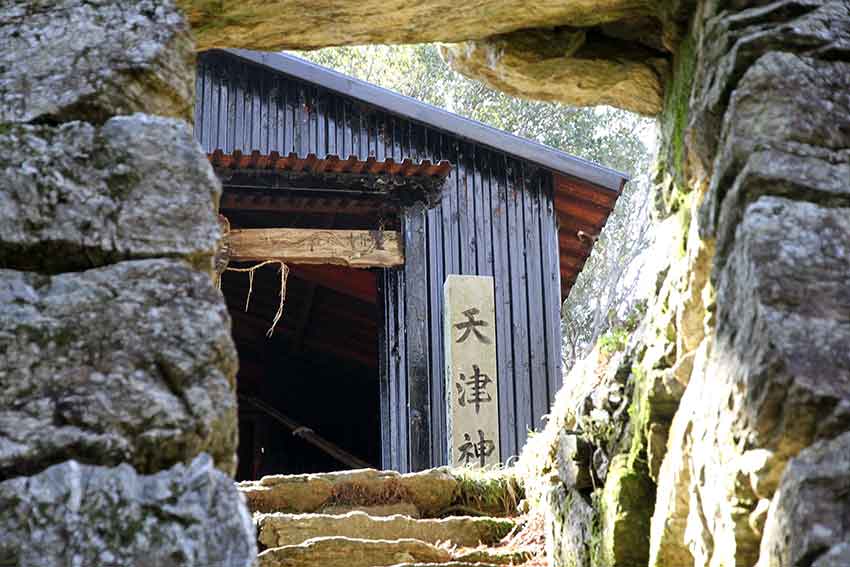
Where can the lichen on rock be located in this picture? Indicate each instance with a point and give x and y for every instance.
(74, 514)
(131, 362)
(93, 59)
(78, 196)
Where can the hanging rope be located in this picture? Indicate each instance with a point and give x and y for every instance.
(284, 275)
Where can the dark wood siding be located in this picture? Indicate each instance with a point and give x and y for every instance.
(496, 218)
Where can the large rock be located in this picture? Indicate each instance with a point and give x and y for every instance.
(808, 519)
(277, 530)
(564, 65)
(271, 26)
(733, 40)
(91, 59)
(74, 514)
(77, 196)
(781, 137)
(128, 363)
(776, 380)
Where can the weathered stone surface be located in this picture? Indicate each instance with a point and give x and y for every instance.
(277, 530)
(568, 524)
(351, 552)
(73, 514)
(295, 24)
(77, 196)
(128, 363)
(782, 138)
(733, 40)
(565, 65)
(430, 491)
(776, 380)
(376, 510)
(627, 501)
(92, 59)
(807, 522)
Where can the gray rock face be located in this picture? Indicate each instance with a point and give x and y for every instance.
(784, 325)
(815, 495)
(128, 363)
(81, 515)
(91, 59)
(77, 196)
(732, 42)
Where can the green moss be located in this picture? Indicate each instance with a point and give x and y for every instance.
(494, 491)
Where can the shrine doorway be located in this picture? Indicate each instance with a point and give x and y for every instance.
(309, 393)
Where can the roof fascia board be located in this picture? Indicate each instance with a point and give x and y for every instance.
(435, 117)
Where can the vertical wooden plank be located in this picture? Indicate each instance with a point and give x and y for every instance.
(208, 115)
(380, 136)
(256, 107)
(199, 105)
(519, 304)
(224, 109)
(502, 284)
(403, 409)
(536, 309)
(279, 116)
(448, 206)
(483, 220)
(214, 78)
(386, 401)
(262, 124)
(332, 124)
(363, 131)
(466, 236)
(551, 286)
(232, 95)
(289, 117)
(239, 130)
(317, 129)
(303, 124)
(416, 320)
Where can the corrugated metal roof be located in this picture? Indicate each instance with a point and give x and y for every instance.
(329, 164)
(423, 113)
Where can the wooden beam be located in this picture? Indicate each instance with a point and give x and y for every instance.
(352, 248)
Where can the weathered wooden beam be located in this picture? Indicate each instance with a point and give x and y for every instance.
(352, 248)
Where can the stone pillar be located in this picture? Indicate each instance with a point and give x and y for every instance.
(117, 369)
(471, 374)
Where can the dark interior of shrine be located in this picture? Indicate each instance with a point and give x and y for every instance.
(318, 370)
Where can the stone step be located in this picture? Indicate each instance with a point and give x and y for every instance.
(434, 493)
(352, 552)
(277, 529)
(430, 491)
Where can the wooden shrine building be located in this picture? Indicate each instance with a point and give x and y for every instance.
(372, 199)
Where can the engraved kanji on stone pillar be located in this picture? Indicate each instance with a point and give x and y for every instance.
(471, 381)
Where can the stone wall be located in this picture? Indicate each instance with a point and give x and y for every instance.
(117, 370)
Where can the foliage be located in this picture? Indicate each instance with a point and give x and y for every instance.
(606, 290)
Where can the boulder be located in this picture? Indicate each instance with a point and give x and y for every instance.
(807, 520)
(128, 363)
(626, 508)
(256, 24)
(277, 530)
(89, 60)
(568, 524)
(74, 514)
(564, 65)
(78, 196)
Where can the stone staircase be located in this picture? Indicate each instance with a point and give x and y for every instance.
(369, 518)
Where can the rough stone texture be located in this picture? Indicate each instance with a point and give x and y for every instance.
(92, 59)
(277, 530)
(566, 65)
(296, 24)
(128, 363)
(776, 380)
(377, 510)
(351, 552)
(814, 494)
(77, 196)
(430, 491)
(780, 141)
(73, 514)
(568, 526)
(626, 507)
(732, 42)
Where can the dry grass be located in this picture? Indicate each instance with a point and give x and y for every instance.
(375, 494)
